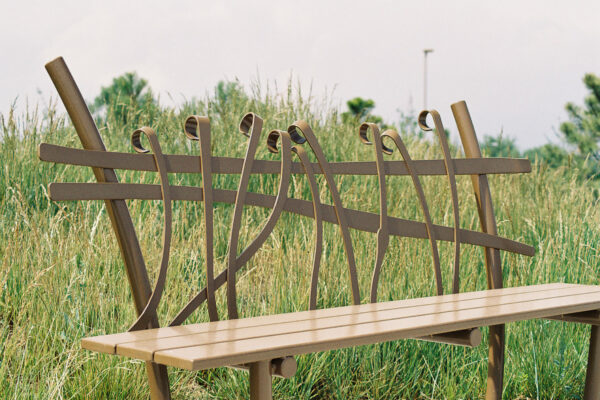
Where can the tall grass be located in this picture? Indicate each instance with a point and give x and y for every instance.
(62, 278)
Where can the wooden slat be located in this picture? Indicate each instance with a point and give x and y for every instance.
(361, 220)
(268, 347)
(108, 343)
(145, 349)
(227, 165)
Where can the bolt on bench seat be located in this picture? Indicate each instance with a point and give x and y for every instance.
(266, 345)
(216, 344)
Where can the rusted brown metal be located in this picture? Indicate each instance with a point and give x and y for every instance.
(431, 233)
(117, 209)
(492, 256)
(465, 337)
(317, 215)
(383, 234)
(260, 380)
(449, 162)
(299, 129)
(150, 309)
(197, 128)
(287, 143)
(586, 317)
(251, 126)
(186, 164)
(360, 220)
(592, 377)
(280, 198)
(283, 367)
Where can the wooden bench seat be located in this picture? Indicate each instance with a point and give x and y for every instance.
(265, 345)
(216, 344)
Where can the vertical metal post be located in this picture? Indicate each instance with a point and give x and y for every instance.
(261, 381)
(592, 378)
(492, 256)
(117, 210)
(425, 52)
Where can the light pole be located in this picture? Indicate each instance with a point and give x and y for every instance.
(425, 52)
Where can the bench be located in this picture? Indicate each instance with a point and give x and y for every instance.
(266, 345)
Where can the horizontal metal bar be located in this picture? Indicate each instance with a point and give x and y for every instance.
(465, 337)
(360, 220)
(229, 165)
(586, 317)
(284, 367)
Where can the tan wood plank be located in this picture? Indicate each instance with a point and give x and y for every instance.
(268, 347)
(108, 343)
(177, 163)
(145, 349)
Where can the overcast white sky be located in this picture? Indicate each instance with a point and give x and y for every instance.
(516, 63)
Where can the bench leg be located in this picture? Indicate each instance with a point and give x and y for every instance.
(592, 379)
(495, 363)
(260, 380)
(159, 381)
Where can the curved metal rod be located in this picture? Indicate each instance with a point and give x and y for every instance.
(190, 307)
(197, 128)
(441, 133)
(251, 126)
(383, 234)
(150, 309)
(316, 199)
(310, 137)
(282, 193)
(278, 208)
(421, 194)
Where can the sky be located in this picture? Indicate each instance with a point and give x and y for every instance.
(516, 63)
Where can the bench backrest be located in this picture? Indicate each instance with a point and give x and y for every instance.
(293, 146)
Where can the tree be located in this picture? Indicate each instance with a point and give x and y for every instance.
(359, 109)
(500, 146)
(583, 128)
(228, 90)
(550, 154)
(126, 95)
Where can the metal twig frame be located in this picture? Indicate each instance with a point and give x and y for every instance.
(296, 139)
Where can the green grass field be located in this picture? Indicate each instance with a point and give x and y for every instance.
(62, 278)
